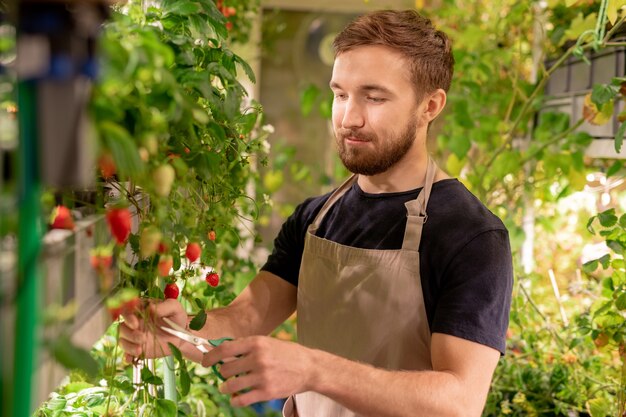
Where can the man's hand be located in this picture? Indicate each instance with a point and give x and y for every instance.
(260, 368)
(140, 335)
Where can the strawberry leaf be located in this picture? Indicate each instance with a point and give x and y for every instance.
(185, 382)
(201, 304)
(176, 352)
(73, 357)
(198, 321)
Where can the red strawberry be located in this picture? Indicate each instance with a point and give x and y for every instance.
(213, 279)
(171, 291)
(162, 247)
(119, 220)
(165, 264)
(62, 218)
(212, 235)
(115, 312)
(193, 251)
(107, 165)
(131, 305)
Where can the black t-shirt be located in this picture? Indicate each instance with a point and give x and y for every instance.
(465, 256)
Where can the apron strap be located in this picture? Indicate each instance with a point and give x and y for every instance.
(339, 192)
(416, 211)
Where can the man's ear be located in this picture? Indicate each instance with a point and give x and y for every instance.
(433, 104)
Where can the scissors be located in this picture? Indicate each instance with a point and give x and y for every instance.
(200, 343)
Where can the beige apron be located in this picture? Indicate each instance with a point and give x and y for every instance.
(363, 304)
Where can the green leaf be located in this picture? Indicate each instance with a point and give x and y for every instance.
(198, 321)
(599, 407)
(620, 303)
(149, 378)
(165, 408)
(579, 25)
(605, 261)
(248, 121)
(307, 98)
(612, 9)
(185, 382)
(619, 137)
(506, 163)
(122, 147)
(246, 68)
(73, 357)
(176, 352)
(56, 404)
(202, 305)
(590, 267)
(74, 387)
(615, 245)
(608, 218)
(459, 145)
(614, 169)
(603, 93)
(589, 225)
(184, 8)
(603, 309)
(177, 261)
(617, 264)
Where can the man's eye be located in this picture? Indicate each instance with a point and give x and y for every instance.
(340, 96)
(377, 99)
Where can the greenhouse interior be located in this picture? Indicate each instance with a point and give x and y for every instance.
(216, 207)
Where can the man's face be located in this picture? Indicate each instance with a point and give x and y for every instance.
(374, 109)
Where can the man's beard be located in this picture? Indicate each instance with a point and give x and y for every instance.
(378, 160)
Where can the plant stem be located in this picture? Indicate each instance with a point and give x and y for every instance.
(536, 308)
(553, 141)
(114, 368)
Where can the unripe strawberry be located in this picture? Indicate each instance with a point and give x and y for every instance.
(165, 265)
(106, 163)
(171, 291)
(101, 259)
(213, 279)
(144, 154)
(119, 220)
(193, 251)
(212, 235)
(62, 218)
(163, 178)
(149, 241)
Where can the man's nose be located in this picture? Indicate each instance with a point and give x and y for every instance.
(353, 115)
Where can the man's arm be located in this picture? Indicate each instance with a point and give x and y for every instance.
(457, 386)
(265, 303)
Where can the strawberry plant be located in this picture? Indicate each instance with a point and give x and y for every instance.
(179, 147)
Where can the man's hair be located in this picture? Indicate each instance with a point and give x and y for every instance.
(428, 50)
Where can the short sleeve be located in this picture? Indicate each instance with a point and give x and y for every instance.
(286, 257)
(475, 295)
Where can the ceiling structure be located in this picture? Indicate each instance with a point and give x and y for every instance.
(342, 6)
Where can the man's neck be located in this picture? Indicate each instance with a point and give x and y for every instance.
(408, 174)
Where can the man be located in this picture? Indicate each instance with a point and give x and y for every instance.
(401, 278)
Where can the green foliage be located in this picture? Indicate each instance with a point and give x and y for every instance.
(183, 136)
